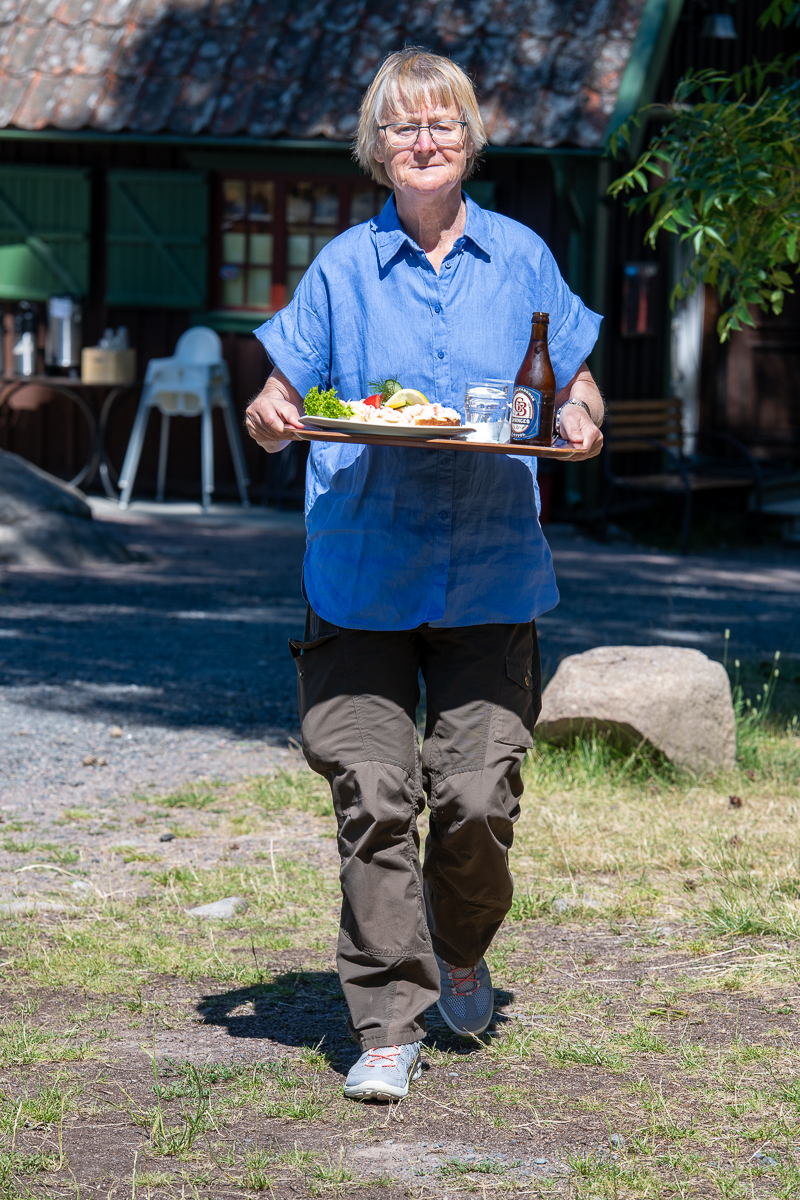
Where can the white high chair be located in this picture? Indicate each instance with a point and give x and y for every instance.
(192, 383)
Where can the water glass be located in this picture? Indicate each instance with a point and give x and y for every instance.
(486, 407)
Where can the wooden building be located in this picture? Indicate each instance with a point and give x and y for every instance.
(182, 163)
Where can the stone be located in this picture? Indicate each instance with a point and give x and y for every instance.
(671, 697)
(45, 522)
(220, 910)
(8, 908)
(563, 903)
(167, 837)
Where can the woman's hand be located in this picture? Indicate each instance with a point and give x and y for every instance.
(273, 412)
(580, 431)
(579, 428)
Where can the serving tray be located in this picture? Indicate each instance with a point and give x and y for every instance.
(558, 450)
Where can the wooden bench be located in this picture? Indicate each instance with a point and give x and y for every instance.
(647, 435)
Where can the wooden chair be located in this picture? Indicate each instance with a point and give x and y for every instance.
(644, 454)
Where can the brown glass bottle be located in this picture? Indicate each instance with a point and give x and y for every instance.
(533, 400)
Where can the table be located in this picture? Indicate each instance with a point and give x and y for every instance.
(94, 400)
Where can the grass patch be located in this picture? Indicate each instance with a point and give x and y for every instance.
(132, 854)
(645, 841)
(647, 986)
(118, 946)
(76, 813)
(298, 791)
(14, 847)
(199, 796)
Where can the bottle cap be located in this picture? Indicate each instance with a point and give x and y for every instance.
(541, 318)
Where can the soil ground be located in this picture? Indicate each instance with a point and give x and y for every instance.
(646, 1040)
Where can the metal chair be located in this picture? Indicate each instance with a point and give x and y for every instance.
(192, 383)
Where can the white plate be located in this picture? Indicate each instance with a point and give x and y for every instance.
(414, 431)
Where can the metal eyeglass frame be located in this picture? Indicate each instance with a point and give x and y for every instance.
(419, 128)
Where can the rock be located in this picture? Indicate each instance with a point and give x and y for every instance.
(220, 910)
(563, 903)
(45, 522)
(167, 837)
(675, 699)
(616, 1140)
(30, 904)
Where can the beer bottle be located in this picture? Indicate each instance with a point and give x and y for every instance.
(533, 403)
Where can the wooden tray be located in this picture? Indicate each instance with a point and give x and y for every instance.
(365, 439)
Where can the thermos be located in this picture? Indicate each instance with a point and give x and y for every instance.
(62, 350)
(23, 354)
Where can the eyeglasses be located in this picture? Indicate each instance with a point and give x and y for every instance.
(403, 135)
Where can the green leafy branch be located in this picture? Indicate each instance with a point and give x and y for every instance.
(723, 173)
(781, 12)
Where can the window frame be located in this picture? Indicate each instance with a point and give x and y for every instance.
(282, 181)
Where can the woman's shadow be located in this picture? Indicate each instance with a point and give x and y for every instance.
(307, 1008)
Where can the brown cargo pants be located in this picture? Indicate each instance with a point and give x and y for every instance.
(358, 692)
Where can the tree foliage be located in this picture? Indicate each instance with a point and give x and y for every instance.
(781, 12)
(724, 174)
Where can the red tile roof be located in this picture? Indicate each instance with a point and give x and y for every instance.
(547, 71)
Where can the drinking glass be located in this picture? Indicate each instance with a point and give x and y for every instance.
(486, 407)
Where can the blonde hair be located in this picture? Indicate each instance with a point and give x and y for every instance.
(408, 79)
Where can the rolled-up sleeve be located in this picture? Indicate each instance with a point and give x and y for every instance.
(573, 326)
(298, 338)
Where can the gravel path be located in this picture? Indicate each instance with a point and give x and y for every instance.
(185, 649)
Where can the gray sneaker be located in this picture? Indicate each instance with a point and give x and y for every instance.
(467, 997)
(384, 1073)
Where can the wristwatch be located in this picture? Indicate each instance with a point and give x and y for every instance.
(580, 404)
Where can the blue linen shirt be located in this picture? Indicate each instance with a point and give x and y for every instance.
(399, 537)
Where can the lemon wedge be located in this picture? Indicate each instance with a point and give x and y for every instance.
(405, 396)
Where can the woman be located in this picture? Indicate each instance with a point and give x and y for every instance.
(422, 560)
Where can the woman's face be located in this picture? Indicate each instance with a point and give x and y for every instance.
(424, 168)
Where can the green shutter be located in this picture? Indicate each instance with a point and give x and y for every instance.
(157, 233)
(44, 232)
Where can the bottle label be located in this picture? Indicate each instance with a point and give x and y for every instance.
(526, 411)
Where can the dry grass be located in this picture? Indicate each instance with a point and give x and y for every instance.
(648, 982)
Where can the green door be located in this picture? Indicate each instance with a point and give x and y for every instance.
(44, 231)
(157, 234)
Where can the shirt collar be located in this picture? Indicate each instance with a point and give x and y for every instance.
(389, 235)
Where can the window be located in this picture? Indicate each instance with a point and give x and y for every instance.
(271, 228)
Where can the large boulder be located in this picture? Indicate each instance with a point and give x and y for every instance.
(45, 522)
(676, 699)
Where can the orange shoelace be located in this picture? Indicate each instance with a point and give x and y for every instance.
(457, 984)
(389, 1053)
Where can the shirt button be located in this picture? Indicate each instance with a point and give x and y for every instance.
(444, 514)
(440, 568)
(448, 265)
(441, 354)
(438, 308)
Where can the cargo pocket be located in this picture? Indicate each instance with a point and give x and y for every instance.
(516, 715)
(313, 670)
